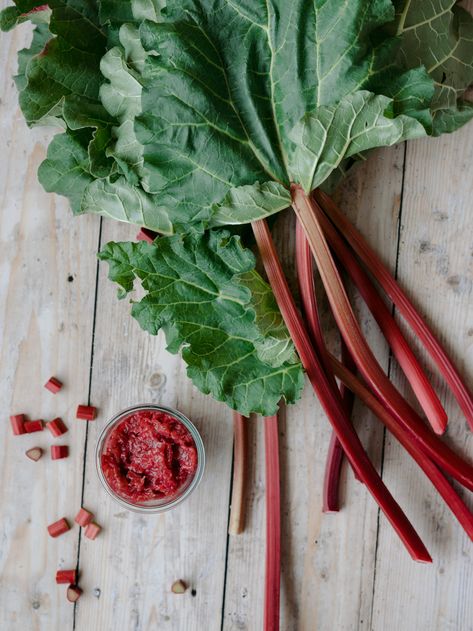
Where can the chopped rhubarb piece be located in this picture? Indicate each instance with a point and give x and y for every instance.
(92, 530)
(83, 517)
(66, 576)
(53, 385)
(33, 426)
(59, 451)
(18, 424)
(59, 527)
(178, 587)
(86, 412)
(34, 453)
(146, 235)
(73, 593)
(57, 427)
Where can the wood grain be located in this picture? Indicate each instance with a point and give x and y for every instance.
(341, 572)
(138, 557)
(436, 265)
(47, 286)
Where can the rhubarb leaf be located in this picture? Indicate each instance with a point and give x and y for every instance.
(226, 85)
(41, 36)
(332, 133)
(197, 290)
(66, 170)
(119, 200)
(69, 63)
(121, 96)
(439, 36)
(247, 203)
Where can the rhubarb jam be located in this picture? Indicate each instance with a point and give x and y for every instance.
(148, 455)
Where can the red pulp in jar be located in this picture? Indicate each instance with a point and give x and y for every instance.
(149, 455)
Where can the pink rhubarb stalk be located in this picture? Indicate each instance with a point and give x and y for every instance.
(330, 399)
(408, 362)
(369, 257)
(273, 525)
(240, 466)
(362, 354)
(440, 482)
(305, 275)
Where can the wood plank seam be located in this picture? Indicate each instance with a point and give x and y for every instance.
(91, 371)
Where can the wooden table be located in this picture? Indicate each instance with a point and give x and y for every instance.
(59, 315)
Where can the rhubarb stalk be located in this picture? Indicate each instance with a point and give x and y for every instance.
(408, 362)
(440, 482)
(273, 525)
(240, 466)
(362, 354)
(330, 400)
(305, 275)
(373, 262)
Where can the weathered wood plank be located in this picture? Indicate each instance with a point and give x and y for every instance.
(327, 559)
(45, 329)
(436, 266)
(137, 558)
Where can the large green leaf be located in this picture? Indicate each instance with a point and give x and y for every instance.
(66, 170)
(360, 121)
(68, 65)
(203, 292)
(118, 199)
(438, 34)
(228, 82)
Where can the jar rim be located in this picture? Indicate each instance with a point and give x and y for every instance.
(176, 499)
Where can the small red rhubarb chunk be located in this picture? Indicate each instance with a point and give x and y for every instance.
(34, 453)
(57, 427)
(53, 385)
(18, 424)
(59, 527)
(33, 426)
(86, 412)
(146, 235)
(92, 530)
(66, 576)
(59, 451)
(73, 593)
(83, 517)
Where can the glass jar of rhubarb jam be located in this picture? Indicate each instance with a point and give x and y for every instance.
(150, 458)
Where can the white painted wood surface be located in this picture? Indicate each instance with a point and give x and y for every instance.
(340, 572)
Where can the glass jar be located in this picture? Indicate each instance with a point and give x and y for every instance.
(162, 504)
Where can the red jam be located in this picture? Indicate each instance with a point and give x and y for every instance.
(149, 455)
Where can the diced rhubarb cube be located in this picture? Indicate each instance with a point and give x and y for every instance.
(18, 424)
(83, 517)
(59, 527)
(59, 451)
(53, 385)
(57, 427)
(92, 530)
(33, 426)
(66, 576)
(86, 412)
